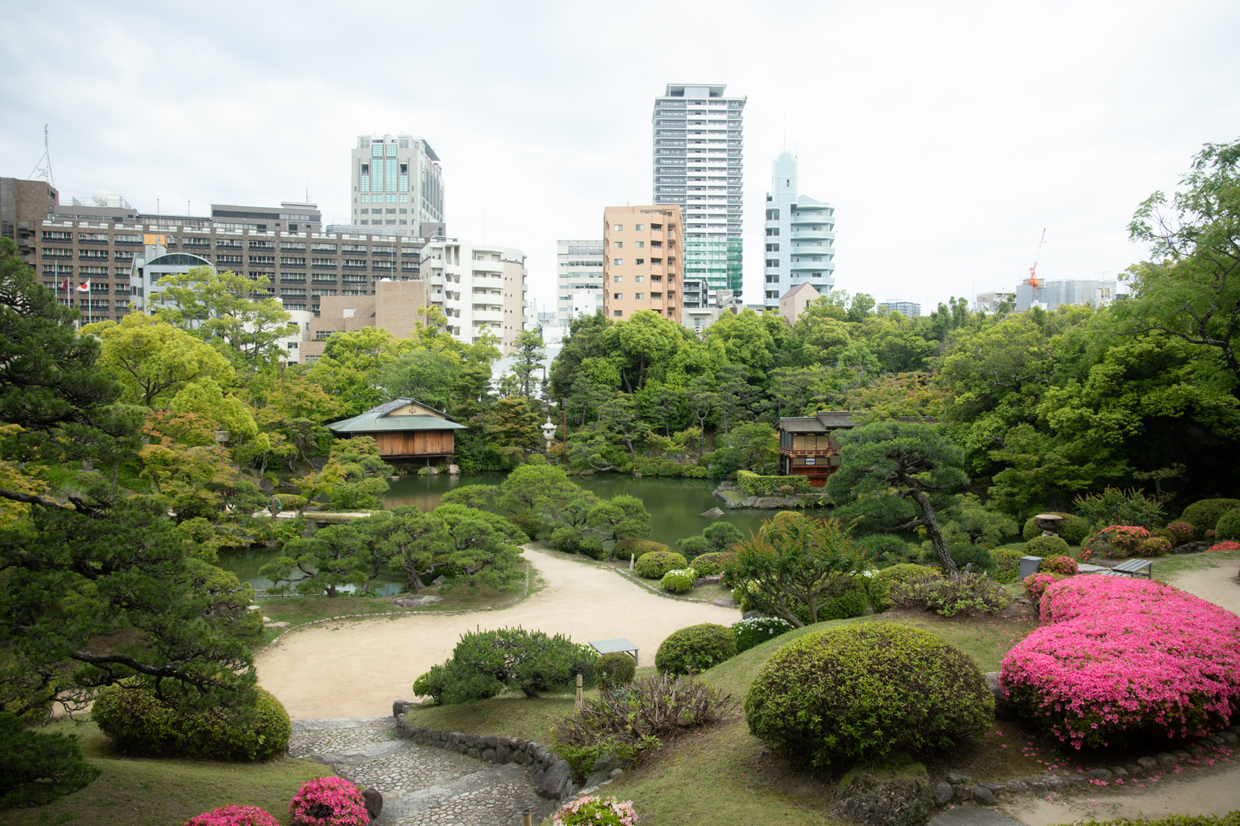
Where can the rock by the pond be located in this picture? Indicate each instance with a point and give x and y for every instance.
(374, 803)
(415, 601)
(713, 512)
(454, 470)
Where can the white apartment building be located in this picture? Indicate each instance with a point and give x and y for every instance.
(698, 165)
(397, 185)
(479, 288)
(799, 236)
(578, 278)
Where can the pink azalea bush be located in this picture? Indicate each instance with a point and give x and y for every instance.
(596, 811)
(328, 801)
(1181, 532)
(233, 815)
(1115, 542)
(1117, 658)
(1036, 584)
(1065, 565)
(1228, 545)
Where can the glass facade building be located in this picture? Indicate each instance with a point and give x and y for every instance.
(698, 163)
(397, 185)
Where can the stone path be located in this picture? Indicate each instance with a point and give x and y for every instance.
(420, 786)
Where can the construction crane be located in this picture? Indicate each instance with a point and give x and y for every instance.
(1033, 271)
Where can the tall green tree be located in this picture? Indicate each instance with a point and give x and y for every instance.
(896, 475)
(528, 354)
(1190, 287)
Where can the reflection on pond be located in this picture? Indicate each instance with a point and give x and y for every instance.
(675, 507)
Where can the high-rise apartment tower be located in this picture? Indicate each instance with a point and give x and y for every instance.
(397, 185)
(799, 236)
(698, 164)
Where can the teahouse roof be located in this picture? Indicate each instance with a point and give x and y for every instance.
(397, 415)
(822, 422)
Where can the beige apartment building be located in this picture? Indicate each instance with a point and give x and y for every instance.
(642, 261)
(393, 306)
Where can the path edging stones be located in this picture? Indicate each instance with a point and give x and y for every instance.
(552, 777)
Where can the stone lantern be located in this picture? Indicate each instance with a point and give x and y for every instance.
(1049, 523)
(548, 430)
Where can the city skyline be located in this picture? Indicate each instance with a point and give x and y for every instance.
(947, 137)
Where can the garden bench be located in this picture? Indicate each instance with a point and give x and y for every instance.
(619, 644)
(1132, 567)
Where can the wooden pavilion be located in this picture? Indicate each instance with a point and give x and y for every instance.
(406, 430)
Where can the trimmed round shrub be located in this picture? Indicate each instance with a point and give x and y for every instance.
(880, 584)
(849, 597)
(328, 801)
(614, 670)
(1121, 660)
(885, 550)
(1073, 529)
(637, 548)
(1156, 546)
(846, 695)
(654, 564)
(1036, 584)
(679, 581)
(233, 815)
(757, 630)
(1180, 532)
(1065, 565)
(964, 593)
(1205, 514)
(137, 722)
(1045, 546)
(1228, 525)
(711, 563)
(1007, 561)
(695, 649)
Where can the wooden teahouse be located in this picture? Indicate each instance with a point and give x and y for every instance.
(407, 431)
(807, 446)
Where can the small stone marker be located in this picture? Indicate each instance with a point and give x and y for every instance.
(415, 601)
(632, 557)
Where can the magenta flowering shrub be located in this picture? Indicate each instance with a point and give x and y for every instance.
(1229, 545)
(328, 801)
(1118, 659)
(1181, 532)
(233, 815)
(1036, 584)
(1115, 542)
(596, 811)
(1065, 565)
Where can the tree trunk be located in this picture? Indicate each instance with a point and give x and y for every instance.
(931, 525)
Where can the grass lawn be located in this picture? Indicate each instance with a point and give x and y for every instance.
(1166, 568)
(140, 792)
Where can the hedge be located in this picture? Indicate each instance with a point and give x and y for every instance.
(754, 485)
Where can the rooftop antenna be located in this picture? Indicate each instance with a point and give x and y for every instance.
(44, 171)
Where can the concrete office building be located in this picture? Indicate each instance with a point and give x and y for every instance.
(642, 267)
(479, 289)
(992, 301)
(799, 236)
(397, 185)
(1051, 294)
(393, 306)
(578, 274)
(910, 309)
(698, 165)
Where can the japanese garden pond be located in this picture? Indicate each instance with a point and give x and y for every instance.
(675, 507)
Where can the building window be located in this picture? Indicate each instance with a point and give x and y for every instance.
(639, 296)
(618, 296)
(640, 279)
(640, 227)
(617, 279)
(617, 313)
(617, 262)
(618, 228)
(641, 244)
(617, 244)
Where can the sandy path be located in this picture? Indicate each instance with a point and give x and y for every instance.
(1208, 791)
(357, 668)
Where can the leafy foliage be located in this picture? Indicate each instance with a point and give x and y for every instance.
(678, 581)
(841, 696)
(1007, 562)
(656, 564)
(328, 801)
(1072, 529)
(1045, 546)
(757, 630)
(882, 581)
(789, 561)
(1203, 515)
(615, 670)
(596, 811)
(138, 722)
(1228, 525)
(695, 649)
(965, 592)
(487, 663)
(38, 768)
(1117, 506)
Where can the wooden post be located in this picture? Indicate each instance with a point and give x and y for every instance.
(631, 558)
(525, 818)
(578, 692)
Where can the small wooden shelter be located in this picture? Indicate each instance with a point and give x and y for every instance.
(807, 446)
(406, 430)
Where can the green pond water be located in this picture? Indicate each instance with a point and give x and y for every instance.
(675, 506)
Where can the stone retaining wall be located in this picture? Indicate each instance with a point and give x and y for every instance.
(553, 778)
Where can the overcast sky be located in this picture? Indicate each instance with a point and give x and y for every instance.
(947, 135)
